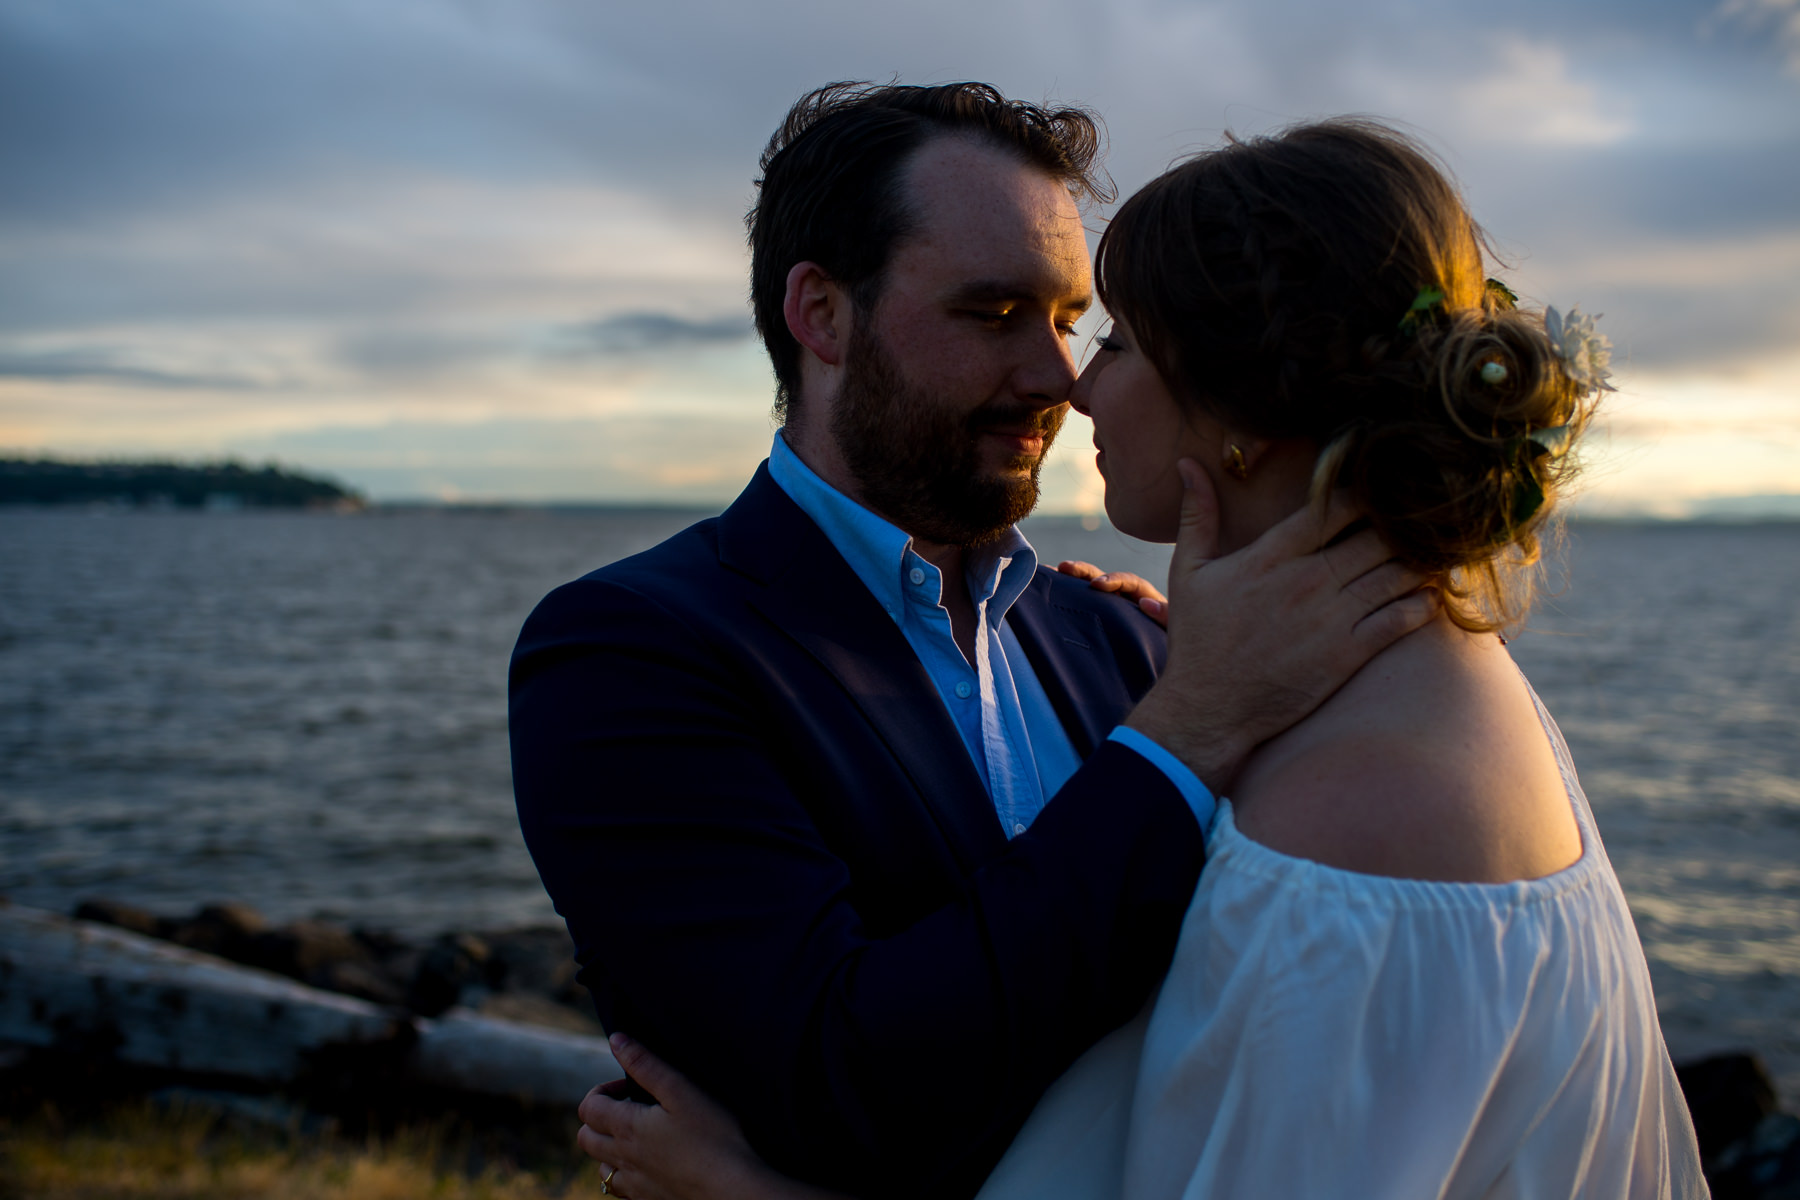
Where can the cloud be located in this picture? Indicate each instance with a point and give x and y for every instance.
(1531, 96)
(622, 458)
(228, 222)
(106, 365)
(655, 331)
(400, 353)
(382, 244)
(375, 384)
(1719, 304)
(1759, 14)
(1721, 264)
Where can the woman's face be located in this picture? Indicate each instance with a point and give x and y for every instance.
(1141, 432)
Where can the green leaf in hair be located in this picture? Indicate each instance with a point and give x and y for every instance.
(1523, 452)
(1426, 300)
(1527, 498)
(1425, 304)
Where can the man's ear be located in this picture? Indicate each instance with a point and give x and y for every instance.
(817, 311)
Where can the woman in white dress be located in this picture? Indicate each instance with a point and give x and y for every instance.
(1408, 969)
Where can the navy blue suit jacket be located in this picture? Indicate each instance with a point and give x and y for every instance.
(782, 872)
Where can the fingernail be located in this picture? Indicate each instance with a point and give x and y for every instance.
(1187, 467)
(618, 1042)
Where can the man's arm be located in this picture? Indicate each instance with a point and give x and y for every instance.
(720, 929)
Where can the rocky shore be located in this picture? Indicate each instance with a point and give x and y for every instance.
(313, 1048)
(524, 975)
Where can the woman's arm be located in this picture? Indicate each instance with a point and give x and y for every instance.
(683, 1147)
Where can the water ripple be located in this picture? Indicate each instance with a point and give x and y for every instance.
(308, 713)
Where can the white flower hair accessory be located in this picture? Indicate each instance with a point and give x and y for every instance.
(1586, 353)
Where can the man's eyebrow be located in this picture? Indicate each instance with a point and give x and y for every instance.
(996, 291)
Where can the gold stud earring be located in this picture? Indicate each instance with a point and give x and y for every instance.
(1235, 466)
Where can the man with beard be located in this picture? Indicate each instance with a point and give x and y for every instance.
(833, 790)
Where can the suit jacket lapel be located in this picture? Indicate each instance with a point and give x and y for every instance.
(811, 594)
(1065, 648)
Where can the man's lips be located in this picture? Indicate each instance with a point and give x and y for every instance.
(1020, 440)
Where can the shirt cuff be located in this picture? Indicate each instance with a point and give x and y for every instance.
(1197, 794)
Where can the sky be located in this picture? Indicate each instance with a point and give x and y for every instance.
(493, 249)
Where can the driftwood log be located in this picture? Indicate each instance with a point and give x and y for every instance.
(79, 985)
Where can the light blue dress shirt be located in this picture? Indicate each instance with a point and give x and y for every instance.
(1014, 738)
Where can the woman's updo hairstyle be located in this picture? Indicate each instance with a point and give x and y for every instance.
(1327, 283)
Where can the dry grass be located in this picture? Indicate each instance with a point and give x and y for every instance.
(143, 1153)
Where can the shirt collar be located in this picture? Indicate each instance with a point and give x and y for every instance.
(881, 553)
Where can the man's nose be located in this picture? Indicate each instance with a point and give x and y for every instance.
(1046, 374)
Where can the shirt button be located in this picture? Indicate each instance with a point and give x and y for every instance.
(1018, 828)
(963, 690)
(917, 575)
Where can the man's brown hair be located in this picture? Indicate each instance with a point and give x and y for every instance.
(832, 193)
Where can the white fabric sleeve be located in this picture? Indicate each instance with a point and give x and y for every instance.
(1341, 1036)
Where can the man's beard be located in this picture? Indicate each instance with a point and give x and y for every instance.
(918, 463)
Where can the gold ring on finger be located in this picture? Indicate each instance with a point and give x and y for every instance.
(606, 1184)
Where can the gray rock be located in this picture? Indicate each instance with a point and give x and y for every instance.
(458, 969)
(530, 971)
(1748, 1148)
(123, 916)
(307, 950)
(529, 1008)
(227, 930)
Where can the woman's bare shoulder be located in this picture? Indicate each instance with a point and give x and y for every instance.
(1431, 764)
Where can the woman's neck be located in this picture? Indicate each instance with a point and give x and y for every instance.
(1277, 487)
(1430, 763)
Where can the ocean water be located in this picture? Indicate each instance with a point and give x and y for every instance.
(308, 713)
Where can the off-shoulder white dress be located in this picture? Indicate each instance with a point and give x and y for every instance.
(1324, 1033)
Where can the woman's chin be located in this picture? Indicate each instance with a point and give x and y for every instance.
(1145, 527)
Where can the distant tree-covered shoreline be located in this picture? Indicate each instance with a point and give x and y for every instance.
(223, 485)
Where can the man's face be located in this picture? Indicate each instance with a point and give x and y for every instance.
(956, 383)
